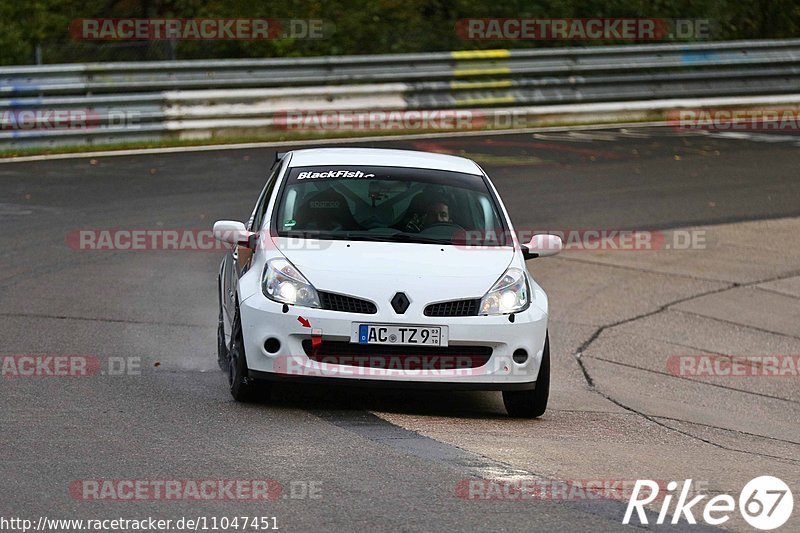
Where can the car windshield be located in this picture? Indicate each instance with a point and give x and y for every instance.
(388, 204)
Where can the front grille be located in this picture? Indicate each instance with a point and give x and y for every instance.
(454, 308)
(346, 304)
(398, 357)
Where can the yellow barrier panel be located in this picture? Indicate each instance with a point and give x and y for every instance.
(466, 85)
(481, 54)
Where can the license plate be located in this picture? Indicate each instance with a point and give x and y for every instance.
(400, 335)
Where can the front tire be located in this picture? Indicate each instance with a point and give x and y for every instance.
(532, 403)
(222, 346)
(242, 387)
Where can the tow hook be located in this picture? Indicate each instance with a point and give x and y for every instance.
(316, 340)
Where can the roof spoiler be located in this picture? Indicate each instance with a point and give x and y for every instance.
(279, 156)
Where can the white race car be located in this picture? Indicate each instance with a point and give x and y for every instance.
(383, 267)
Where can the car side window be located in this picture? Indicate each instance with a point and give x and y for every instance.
(263, 201)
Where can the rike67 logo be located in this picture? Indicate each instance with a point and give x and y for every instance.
(765, 503)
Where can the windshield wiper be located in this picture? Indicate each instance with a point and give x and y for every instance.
(397, 237)
(374, 237)
(313, 234)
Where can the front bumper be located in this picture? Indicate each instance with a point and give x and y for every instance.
(264, 319)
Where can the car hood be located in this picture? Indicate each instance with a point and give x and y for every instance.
(378, 270)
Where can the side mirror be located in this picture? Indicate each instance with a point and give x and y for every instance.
(233, 232)
(543, 245)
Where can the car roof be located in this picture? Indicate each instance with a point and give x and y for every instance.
(380, 157)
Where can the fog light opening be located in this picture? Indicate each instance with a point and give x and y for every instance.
(272, 345)
(520, 356)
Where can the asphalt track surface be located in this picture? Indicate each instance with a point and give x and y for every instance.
(389, 459)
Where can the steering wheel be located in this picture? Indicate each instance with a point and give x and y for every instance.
(450, 224)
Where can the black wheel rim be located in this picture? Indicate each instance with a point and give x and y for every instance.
(233, 352)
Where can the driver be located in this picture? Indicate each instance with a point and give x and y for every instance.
(437, 212)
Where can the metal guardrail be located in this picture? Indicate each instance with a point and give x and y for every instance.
(191, 99)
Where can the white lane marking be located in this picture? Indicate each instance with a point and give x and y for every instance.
(574, 136)
(756, 137)
(318, 142)
(635, 134)
(589, 137)
(597, 107)
(594, 136)
(675, 133)
(622, 133)
(15, 210)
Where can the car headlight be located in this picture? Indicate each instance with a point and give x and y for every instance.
(509, 295)
(283, 283)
